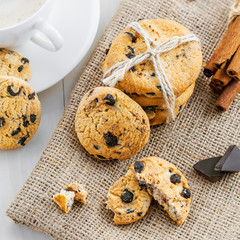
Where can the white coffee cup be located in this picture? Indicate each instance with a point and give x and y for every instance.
(34, 28)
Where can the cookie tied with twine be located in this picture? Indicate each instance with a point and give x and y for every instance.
(153, 53)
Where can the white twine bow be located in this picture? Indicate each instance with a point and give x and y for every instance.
(153, 52)
(234, 11)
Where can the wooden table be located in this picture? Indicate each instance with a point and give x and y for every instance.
(16, 165)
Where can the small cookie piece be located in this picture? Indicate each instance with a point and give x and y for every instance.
(14, 64)
(110, 125)
(128, 200)
(20, 112)
(181, 65)
(64, 199)
(166, 184)
(78, 189)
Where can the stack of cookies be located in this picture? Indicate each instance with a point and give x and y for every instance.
(20, 108)
(181, 66)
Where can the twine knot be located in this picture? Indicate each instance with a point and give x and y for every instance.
(153, 52)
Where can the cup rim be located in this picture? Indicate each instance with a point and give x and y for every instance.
(27, 19)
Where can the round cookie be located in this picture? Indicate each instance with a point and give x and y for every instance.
(128, 200)
(159, 102)
(110, 125)
(14, 64)
(181, 65)
(20, 112)
(166, 184)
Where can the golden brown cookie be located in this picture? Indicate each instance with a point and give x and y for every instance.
(181, 65)
(159, 116)
(14, 64)
(166, 184)
(159, 102)
(20, 112)
(110, 125)
(128, 200)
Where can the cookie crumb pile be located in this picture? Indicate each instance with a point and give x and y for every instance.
(73, 192)
(181, 66)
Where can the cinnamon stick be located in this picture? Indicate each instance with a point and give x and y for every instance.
(227, 96)
(226, 48)
(233, 69)
(220, 79)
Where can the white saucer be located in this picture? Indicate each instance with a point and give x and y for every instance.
(77, 21)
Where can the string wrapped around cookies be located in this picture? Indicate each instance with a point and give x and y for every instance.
(151, 51)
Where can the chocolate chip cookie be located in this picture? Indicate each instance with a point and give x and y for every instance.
(181, 65)
(159, 102)
(110, 125)
(14, 64)
(166, 184)
(128, 200)
(20, 112)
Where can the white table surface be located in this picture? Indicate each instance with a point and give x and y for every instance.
(16, 165)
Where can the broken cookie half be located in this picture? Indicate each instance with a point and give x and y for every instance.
(166, 184)
(66, 197)
(128, 200)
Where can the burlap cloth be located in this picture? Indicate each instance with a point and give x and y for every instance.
(199, 132)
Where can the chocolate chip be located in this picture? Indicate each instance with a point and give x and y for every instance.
(119, 213)
(142, 184)
(101, 157)
(130, 211)
(11, 92)
(151, 94)
(159, 88)
(153, 74)
(110, 139)
(140, 19)
(150, 108)
(170, 170)
(68, 190)
(131, 54)
(138, 166)
(139, 214)
(2, 121)
(106, 51)
(132, 69)
(175, 178)
(96, 147)
(22, 141)
(186, 193)
(31, 96)
(91, 92)
(33, 118)
(20, 68)
(143, 121)
(127, 196)
(109, 99)
(17, 131)
(132, 36)
(25, 121)
(180, 108)
(177, 56)
(24, 60)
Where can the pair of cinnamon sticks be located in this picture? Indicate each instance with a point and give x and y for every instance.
(224, 66)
